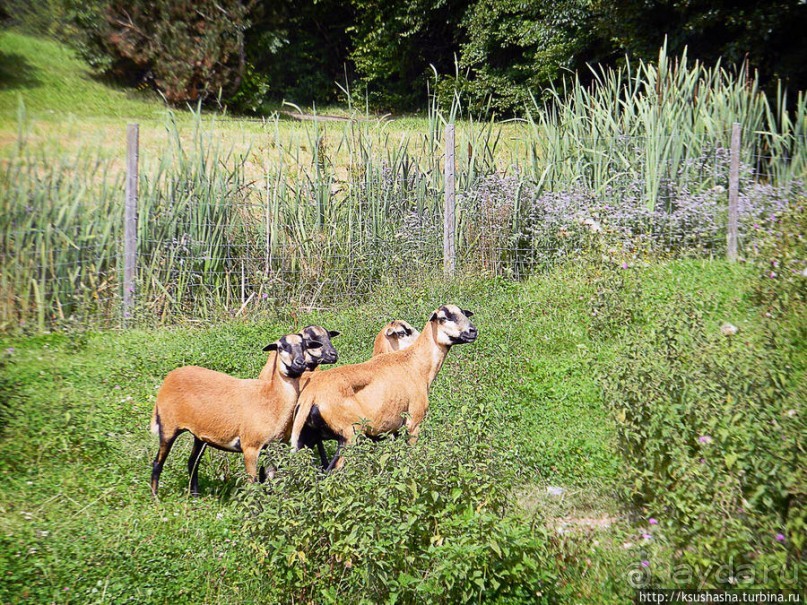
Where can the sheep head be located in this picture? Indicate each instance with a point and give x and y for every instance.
(325, 352)
(401, 332)
(453, 325)
(291, 354)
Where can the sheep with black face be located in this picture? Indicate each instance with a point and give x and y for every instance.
(383, 393)
(229, 413)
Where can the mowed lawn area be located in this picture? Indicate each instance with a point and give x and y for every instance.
(50, 97)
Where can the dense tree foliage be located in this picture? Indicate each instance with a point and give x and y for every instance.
(513, 48)
(257, 52)
(769, 34)
(191, 49)
(396, 43)
(300, 49)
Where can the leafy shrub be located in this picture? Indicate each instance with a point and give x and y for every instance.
(782, 261)
(8, 390)
(514, 49)
(252, 94)
(710, 436)
(191, 50)
(613, 305)
(401, 524)
(781, 291)
(78, 23)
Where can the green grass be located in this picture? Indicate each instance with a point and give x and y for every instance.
(78, 522)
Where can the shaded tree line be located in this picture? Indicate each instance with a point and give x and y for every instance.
(250, 54)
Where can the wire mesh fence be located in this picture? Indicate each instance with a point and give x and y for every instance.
(215, 238)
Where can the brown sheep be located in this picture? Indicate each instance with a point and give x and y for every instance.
(374, 396)
(228, 413)
(395, 336)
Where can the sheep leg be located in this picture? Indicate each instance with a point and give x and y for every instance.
(159, 461)
(337, 461)
(251, 461)
(193, 463)
(323, 455)
(414, 430)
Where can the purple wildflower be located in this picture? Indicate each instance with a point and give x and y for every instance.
(645, 563)
(647, 536)
(780, 537)
(706, 439)
(652, 521)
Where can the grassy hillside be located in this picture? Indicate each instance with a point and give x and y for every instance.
(512, 414)
(53, 82)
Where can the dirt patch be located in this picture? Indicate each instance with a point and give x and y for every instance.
(325, 118)
(569, 524)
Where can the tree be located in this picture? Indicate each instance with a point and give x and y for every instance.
(300, 47)
(190, 49)
(513, 48)
(394, 43)
(769, 35)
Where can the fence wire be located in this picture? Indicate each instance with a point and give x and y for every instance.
(216, 242)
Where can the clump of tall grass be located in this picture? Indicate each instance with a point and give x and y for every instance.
(61, 224)
(660, 123)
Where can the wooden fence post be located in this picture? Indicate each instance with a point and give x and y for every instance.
(734, 192)
(130, 221)
(449, 252)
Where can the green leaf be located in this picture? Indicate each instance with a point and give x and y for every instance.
(730, 460)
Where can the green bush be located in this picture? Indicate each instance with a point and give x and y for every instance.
(251, 96)
(400, 524)
(782, 264)
(78, 23)
(781, 291)
(710, 435)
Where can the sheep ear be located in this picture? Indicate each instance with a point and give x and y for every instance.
(433, 317)
(389, 332)
(468, 313)
(271, 347)
(314, 344)
(333, 333)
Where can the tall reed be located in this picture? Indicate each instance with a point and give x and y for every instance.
(663, 122)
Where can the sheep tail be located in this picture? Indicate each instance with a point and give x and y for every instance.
(155, 422)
